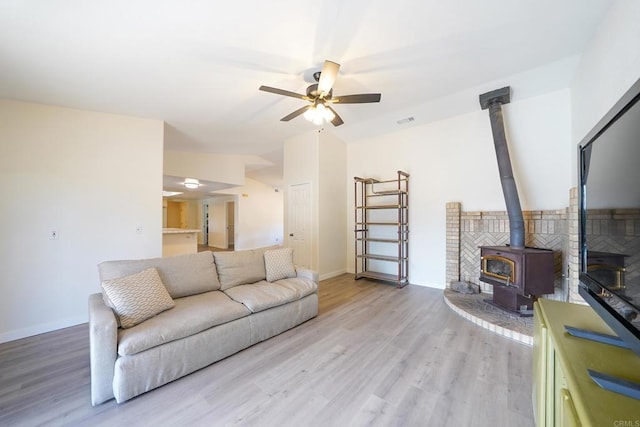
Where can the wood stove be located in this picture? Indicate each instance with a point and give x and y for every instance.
(518, 275)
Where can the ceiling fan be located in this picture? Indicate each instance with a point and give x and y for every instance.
(320, 96)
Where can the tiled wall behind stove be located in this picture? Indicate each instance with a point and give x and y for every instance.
(543, 229)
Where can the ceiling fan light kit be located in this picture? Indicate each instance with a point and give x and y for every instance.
(319, 114)
(320, 95)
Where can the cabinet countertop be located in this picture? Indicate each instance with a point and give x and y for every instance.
(179, 230)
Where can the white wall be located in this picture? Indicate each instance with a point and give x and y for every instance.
(258, 214)
(454, 160)
(332, 193)
(93, 178)
(199, 206)
(205, 166)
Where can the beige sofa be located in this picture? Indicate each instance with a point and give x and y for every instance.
(221, 303)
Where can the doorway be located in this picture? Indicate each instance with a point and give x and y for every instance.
(205, 224)
(231, 224)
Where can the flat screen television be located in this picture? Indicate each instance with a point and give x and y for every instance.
(609, 219)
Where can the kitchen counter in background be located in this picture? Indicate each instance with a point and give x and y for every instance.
(177, 241)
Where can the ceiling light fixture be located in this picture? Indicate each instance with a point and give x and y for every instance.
(319, 113)
(191, 183)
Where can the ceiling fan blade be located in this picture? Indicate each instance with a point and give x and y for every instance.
(337, 120)
(283, 92)
(362, 98)
(328, 76)
(295, 113)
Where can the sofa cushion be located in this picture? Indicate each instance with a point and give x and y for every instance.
(278, 264)
(302, 286)
(190, 315)
(261, 295)
(240, 267)
(183, 275)
(137, 297)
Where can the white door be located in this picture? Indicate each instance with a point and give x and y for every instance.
(300, 223)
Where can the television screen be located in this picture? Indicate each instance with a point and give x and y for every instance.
(610, 219)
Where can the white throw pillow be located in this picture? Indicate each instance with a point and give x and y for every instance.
(278, 264)
(137, 297)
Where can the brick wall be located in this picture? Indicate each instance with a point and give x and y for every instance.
(453, 242)
(607, 230)
(549, 229)
(572, 247)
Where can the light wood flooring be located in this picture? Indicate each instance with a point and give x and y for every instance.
(203, 248)
(375, 355)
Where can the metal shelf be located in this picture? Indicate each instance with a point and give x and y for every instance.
(387, 193)
(395, 224)
(389, 208)
(382, 207)
(381, 257)
(375, 239)
(401, 281)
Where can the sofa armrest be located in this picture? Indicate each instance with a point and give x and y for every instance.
(103, 348)
(305, 272)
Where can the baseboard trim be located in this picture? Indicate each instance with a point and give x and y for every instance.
(332, 274)
(40, 329)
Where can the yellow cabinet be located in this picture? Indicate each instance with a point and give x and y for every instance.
(568, 414)
(540, 368)
(563, 393)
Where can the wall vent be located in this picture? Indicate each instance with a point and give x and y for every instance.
(406, 120)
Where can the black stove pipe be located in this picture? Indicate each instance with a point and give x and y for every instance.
(493, 101)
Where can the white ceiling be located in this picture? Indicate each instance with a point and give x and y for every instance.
(197, 65)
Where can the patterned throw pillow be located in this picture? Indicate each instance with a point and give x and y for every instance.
(279, 264)
(137, 297)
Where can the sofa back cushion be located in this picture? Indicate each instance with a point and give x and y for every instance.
(182, 275)
(240, 267)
